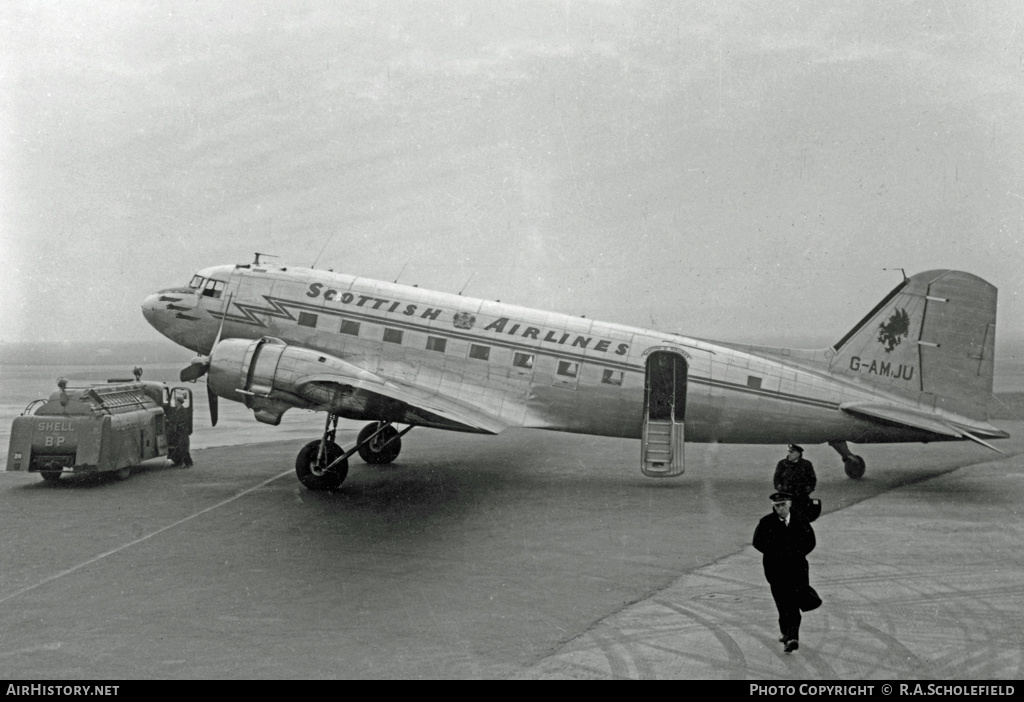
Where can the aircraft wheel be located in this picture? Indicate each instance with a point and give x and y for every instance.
(123, 473)
(854, 466)
(51, 476)
(312, 475)
(374, 451)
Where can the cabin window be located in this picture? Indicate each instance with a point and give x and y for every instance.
(436, 343)
(214, 288)
(611, 377)
(307, 319)
(197, 282)
(393, 336)
(349, 327)
(753, 382)
(522, 360)
(568, 368)
(481, 353)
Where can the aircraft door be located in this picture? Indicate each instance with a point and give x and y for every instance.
(664, 410)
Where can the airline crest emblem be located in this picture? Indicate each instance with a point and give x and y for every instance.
(892, 332)
(463, 320)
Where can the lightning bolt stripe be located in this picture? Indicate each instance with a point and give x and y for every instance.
(276, 310)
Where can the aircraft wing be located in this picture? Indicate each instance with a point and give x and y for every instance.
(428, 406)
(961, 428)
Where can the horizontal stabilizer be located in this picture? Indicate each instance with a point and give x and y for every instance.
(960, 428)
(986, 444)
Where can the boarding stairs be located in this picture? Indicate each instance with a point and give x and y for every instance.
(662, 449)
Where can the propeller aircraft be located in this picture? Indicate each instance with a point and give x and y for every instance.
(917, 368)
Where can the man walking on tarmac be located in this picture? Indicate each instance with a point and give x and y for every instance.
(785, 538)
(795, 475)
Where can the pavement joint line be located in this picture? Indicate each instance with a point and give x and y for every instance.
(72, 569)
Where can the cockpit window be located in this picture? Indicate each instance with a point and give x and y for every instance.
(213, 288)
(197, 282)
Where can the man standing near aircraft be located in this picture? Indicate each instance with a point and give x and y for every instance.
(178, 414)
(795, 475)
(785, 538)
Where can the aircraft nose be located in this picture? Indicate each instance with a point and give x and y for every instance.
(162, 308)
(149, 308)
(174, 313)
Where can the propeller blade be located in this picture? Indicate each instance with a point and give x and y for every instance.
(213, 404)
(201, 364)
(195, 370)
(220, 329)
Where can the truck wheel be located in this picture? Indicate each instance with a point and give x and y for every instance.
(51, 476)
(123, 473)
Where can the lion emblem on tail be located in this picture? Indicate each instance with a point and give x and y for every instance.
(892, 332)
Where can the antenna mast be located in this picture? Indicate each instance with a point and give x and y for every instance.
(401, 271)
(322, 250)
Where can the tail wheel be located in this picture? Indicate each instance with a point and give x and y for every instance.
(854, 466)
(312, 473)
(381, 449)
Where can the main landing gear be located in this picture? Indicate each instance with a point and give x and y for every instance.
(323, 465)
(854, 465)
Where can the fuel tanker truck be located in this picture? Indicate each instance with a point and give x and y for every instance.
(102, 428)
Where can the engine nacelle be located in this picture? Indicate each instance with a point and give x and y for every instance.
(270, 377)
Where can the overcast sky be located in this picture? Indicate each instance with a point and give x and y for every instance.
(742, 171)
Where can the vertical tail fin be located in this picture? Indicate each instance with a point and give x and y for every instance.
(932, 338)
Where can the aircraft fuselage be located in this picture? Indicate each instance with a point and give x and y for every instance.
(528, 367)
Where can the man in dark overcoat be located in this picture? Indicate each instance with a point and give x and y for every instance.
(785, 538)
(795, 474)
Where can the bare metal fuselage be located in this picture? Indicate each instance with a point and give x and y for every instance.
(528, 367)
